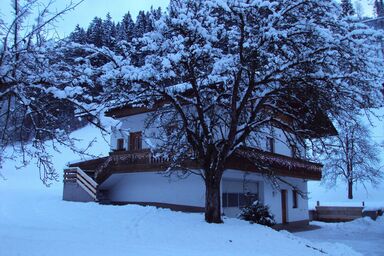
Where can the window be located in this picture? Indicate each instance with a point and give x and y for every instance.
(135, 141)
(293, 151)
(233, 199)
(270, 145)
(294, 198)
(238, 199)
(120, 144)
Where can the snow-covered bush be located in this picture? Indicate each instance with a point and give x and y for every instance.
(257, 213)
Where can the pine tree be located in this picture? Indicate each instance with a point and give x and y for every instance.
(141, 24)
(257, 213)
(109, 32)
(379, 8)
(347, 8)
(78, 35)
(151, 17)
(95, 32)
(125, 28)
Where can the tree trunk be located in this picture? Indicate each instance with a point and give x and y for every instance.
(350, 188)
(212, 201)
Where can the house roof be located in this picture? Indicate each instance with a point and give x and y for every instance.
(318, 124)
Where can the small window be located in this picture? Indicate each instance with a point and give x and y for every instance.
(233, 200)
(120, 144)
(224, 198)
(270, 144)
(135, 141)
(293, 151)
(294, 198)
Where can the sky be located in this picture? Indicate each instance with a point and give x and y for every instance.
(88, 9)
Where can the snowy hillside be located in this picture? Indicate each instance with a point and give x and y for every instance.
(35, 221)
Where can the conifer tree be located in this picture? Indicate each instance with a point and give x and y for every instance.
(125, 28)
(151, 16)
(379, 8)
(95, 32)
(109, 32)
(141, 24)
(347, 8)
(78, 35)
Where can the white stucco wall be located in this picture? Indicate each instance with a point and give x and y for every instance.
(154, 187)
(135, 123)
(293, 214)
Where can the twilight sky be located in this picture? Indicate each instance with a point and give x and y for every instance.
(87, 10)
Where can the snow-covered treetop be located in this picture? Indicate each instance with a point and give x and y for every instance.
(240, 65)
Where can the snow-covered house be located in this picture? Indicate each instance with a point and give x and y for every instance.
(131, 175)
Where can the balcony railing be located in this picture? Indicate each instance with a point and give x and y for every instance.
(143, 156)
(244, 159)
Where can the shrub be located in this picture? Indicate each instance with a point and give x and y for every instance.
(257, 213)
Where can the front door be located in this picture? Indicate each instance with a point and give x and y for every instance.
(284, 206)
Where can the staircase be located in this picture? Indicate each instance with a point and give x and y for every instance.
(79, 186)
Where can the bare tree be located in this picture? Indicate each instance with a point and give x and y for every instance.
(39, 81)
(352, 157)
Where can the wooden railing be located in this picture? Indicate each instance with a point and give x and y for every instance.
(75, 174)
(246, 159)
(125, 161)
(143, 156)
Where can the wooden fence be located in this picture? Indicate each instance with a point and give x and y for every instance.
(342, 213)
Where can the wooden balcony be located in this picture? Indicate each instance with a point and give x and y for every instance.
(244, 159)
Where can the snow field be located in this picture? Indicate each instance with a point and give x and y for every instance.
(35, 221)
(38, 222)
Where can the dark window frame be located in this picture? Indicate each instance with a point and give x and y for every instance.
(270, 144)
(120, 144)
(294, 151)
(135, 141)
(237, 199)
(295, 199)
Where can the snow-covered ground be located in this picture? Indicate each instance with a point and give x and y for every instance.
(364, 235)
(35, 221)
